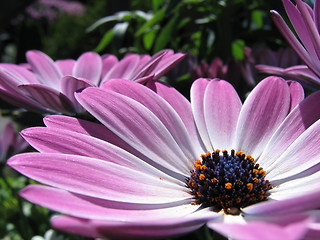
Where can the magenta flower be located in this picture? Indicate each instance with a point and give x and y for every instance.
(305, 21)
(154, 168)
(10, 142)
(50, 86)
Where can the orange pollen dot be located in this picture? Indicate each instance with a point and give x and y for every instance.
(217, 151)
(208, 154)
(239, 153)
(228, 185)
(238, 200)
(197, 162)
(262, 172)
(203, 167)
(250, 186)
(202, 177)
(255, 171)
(255, 180)
(198, 166)
(214, 180)
(250, 158)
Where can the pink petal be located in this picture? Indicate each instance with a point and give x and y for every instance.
(88, 66)
(166, 64)
(296, 93)
(263, 111)
(286, 206)
(198, 89)
(44, 68)
(262, 230)
(124, 69)
(70, 85)
(142, 130)
(45, 141)
(293, 126)
(157, 228)
(157, 106)
(93, 208)
(48, 97)
(108, 61)
(183, 107)
(96, 178)
(302, 154)
(222, 106)
(66, 66)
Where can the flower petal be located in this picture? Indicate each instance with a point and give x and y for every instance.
(292, 127)
(88, 66)
(265, 231)
(45, 140)
(296, 93)
(302, 154)
(97, 178)
(142, 130)
(285, 206)
(198, 89)
(222, 106)
(44, 68)
(183, 107)
(66, 66)
(93, 208)
(49, 98)
(70, 85)
(119, 230)
(263, 111)
(157, 106)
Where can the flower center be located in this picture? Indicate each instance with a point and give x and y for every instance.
(227, 182)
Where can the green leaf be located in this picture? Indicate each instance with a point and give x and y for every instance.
(106, 39)
(156, 4)
(157, 17)
(238, 49)
(165, 34)
(148, 39)
(256, 16)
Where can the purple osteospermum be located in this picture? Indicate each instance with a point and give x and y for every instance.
(10, 142)
(153, 168)
(50, 86)
(305, 21)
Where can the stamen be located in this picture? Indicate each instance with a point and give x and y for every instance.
(227, 182)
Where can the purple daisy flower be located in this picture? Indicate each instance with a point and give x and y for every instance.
(50, 86)
(305, 21)
(10, 142)
(161, 166)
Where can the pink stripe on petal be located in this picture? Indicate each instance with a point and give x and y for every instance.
(66, 66)
(198, 89)
(44, 68)
(222, 106)
(136, 125)
(48, 97)
(120, 230)
(302, 117)
(183, 107)
(70, 85)
(97, 178)
(286, 206)
(88, 66)
(296, 93)
(262, 230)
(302, 154)
(93, 208)
(160, 108)
(262, 113)
(123, 69)
(50, 140)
